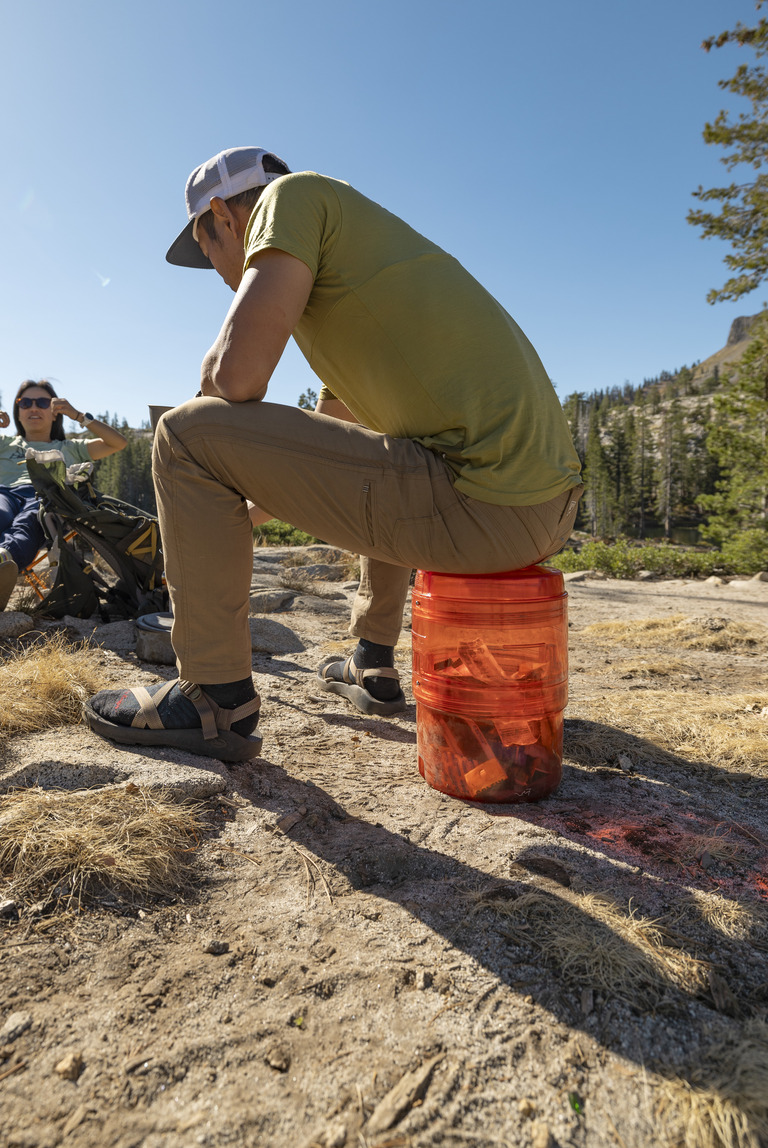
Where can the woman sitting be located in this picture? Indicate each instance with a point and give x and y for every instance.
(39, 418)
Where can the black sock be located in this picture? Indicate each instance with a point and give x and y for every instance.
(373, 656)
(230, 695)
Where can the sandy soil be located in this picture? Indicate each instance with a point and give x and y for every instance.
(495, 966)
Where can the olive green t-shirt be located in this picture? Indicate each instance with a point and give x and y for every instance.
(13, 449)
(415, 347)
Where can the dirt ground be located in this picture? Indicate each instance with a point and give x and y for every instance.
(361, 960)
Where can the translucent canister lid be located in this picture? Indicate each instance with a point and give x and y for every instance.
(533, 583)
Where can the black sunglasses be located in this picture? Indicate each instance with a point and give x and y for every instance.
(25, 404)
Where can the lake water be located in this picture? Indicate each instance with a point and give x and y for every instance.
(682, 535)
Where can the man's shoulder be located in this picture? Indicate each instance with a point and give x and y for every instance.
(303, 184)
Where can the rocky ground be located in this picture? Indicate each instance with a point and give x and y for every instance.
(363, 961)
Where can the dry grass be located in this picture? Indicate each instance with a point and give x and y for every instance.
(708, 633)
(595, 944)
(25, 600)
(720, 846)
(45, 685)
(724, 1101)
(296, 579)
(728, 731)
(657, 668)
(737, 920)
(71, 847)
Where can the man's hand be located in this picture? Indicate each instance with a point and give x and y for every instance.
(269, 303)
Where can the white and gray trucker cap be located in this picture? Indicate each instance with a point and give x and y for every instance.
(228, 173)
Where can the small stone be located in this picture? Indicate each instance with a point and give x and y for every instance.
(625, 762)
(271, 637)
(9, 909)
(278, 1057)
(286, 823)
(13, 624)
(157, 987)
(526, 1107)
(645, 575)
(761, 577)
(215, 947)
(70, 1066)
(268, 601)
(15, 1025)
(541, 1137)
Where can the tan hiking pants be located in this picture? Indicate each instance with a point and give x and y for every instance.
(388, 499)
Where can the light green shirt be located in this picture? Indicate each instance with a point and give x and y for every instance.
(13, 469)
(415, 347)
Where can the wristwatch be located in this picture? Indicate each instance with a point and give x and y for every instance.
(86, 418)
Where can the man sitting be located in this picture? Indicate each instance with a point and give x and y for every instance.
(438, 441)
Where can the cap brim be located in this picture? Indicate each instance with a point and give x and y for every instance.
(185, 251)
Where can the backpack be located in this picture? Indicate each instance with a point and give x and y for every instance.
(126, 538)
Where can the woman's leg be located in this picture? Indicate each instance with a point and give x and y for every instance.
(21, 534)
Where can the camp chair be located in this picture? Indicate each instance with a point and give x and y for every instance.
(49, 554)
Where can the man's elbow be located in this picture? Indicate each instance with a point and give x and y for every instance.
(238, 386)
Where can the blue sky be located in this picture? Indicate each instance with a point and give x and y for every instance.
(551, 146)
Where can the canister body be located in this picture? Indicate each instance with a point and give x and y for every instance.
(490, 678)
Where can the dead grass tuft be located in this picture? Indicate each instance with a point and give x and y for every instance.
(297, 579)
(719, 846)
(707, 633)
(737, 920)
(594, 943)
(657, 668)
(45, 685)
(25, 600)
(728, 730)
(72, 847)
(724, 1101)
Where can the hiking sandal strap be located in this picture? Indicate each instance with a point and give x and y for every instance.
(204, 706)
(213, 717)
(147, 716)
(353, 675)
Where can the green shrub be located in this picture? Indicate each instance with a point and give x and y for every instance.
(617, 559)
(747, 553)
(277, 533)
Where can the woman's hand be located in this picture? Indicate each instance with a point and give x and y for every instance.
(64, 407)
(4, 420)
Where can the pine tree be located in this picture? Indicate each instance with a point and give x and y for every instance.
(669, 470)
(127, 475)
(743, 216)
(642, 467)
(739, 441)
(307, 400)
(598, 498)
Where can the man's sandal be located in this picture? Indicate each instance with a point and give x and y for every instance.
(352, 686)
(214, 738)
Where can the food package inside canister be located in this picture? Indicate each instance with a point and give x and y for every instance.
(475, 760)
(495, 664)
